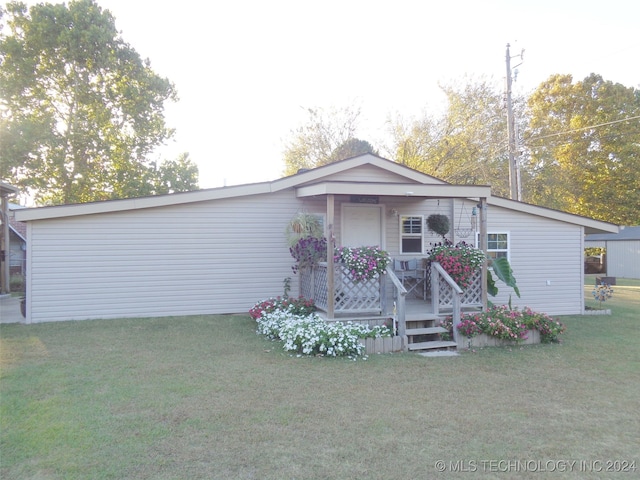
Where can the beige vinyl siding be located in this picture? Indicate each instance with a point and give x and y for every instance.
(210, 257)
(541, 250)
(373, 174)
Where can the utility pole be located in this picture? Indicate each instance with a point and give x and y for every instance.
(515, 188)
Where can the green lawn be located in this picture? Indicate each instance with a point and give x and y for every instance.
(204, 397)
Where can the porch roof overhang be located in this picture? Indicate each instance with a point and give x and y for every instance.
(394, 190)
(6, 189)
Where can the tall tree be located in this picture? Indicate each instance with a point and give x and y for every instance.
(350, 148)
(466, 144)
(80, 110)
(178, 175)
(314, 144)
(584, 142)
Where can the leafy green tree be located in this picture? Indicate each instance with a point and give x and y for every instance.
(584, 142)
(352, 148)
(466, 144)
(180, 175)
(80, 110)
(322, 139)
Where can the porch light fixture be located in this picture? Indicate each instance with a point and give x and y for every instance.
(394, 212)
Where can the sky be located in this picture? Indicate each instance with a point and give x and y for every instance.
(245, 71)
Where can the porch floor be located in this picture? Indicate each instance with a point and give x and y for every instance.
(415, 308)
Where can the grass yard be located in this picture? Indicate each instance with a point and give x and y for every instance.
(204, 397)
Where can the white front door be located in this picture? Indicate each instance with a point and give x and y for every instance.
(362, 226)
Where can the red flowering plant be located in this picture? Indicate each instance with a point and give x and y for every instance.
(506, 323)
(469, 328)
(295, 306)
(460, 261)
(548, 327)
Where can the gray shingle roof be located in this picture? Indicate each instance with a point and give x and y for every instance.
(626, 233)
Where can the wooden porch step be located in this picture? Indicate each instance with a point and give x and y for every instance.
(431, 345)
(425, 331)
(419, 316)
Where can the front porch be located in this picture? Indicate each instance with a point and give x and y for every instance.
(415, 317)
(392, 214)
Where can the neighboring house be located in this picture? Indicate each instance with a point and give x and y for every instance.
(17, 244)
(622, 251)
(6, 191)
(221, 250)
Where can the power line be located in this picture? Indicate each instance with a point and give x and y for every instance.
(583, 128)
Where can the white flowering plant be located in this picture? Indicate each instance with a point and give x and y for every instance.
(310, 335)
(363, 263)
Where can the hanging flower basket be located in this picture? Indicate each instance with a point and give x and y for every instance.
(460, 261)
(363, 263)
(308, 251)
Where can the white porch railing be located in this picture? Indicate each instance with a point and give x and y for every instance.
(448, 297)
(368, 297)
(400, 310)
(350, 297)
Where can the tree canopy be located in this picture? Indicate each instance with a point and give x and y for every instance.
(81, 112)
(579, 144)
(584, 148)
(352, 147)
(326, 137)
(465, 144)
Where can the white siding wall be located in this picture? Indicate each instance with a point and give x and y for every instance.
(371, 173)
(541, 250)
(211, 257)
(623, 258)
(222, 256)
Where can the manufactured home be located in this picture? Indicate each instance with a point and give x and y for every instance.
(221, 250)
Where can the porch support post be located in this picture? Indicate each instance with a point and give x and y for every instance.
(331, 295)
(483, 247)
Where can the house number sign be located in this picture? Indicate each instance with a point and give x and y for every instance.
(364, 199)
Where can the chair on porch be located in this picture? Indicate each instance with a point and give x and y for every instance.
(412, 276)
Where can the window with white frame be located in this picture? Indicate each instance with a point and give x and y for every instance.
(411, 233)
(497, 244)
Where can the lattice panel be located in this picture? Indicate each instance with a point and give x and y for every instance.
(320, 291)
(364, 296)
(473, 294)
(445, 293)
(306, 283)
(349, 296)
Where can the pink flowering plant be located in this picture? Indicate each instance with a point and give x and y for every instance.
(469, 328)
(548, 327)
(363, 263)
(460, 261)
(505, 323)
